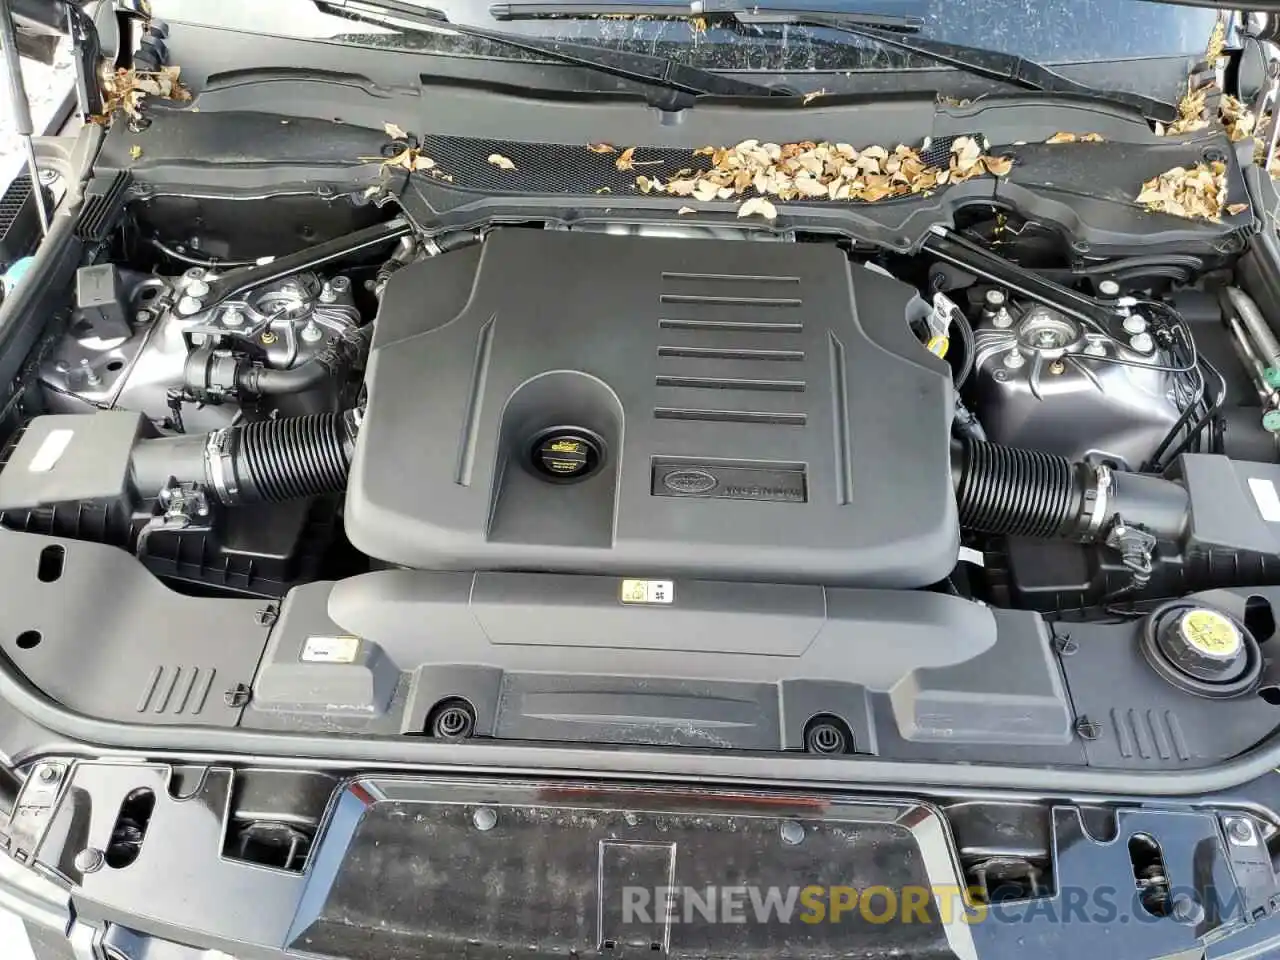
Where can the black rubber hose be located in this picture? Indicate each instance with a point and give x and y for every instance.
(293, 458)
(267, 461)
(208, 264)
(267, 381)
(331, 364)
(1018, 493)
(1026, 493)
(1188, 261)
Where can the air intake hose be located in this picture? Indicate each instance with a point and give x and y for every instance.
(1026, 493)
(268, 461)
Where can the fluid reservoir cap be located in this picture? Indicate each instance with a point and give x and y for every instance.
(1203, 643)
(565, 455)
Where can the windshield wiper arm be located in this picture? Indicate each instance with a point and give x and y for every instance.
(905, 15)
(638, 67)
(981, 61)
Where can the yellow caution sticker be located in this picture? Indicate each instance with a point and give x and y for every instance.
(938, 345)
(648, 591)
(1210, 632)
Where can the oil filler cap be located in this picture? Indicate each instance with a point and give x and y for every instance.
(1201, 650)
(566, 455)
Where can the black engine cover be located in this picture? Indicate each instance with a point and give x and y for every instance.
(646, 407)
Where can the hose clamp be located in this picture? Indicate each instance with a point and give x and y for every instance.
(1101, 496)
(218, 454)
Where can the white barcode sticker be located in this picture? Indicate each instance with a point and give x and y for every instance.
(1265, 496)
(51, 450)
(331, 649)
(648, 591)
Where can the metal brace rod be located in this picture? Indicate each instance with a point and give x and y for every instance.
(21, 106)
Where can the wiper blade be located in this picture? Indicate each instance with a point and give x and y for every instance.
(638, 67)
(906, 15)
(980, 61)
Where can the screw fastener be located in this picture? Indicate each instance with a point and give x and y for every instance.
(791, 832)
(89, 860)
(1240, 830)
(1088, 729)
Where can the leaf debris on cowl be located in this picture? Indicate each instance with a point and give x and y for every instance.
(819, 170)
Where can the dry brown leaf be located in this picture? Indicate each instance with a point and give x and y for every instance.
(965, 153)
(602, 148)
(758, 206)
(685, 211)
(627, 160)
(1235, 209)
(1217, 43)
(1192, 107)
(998, 166)
(125, 90)
(604, 189)
(1238, 120)
(501, 162)
(404, 159)
(395, 132)
(813, 95)
(705, 190)
(135, 152)
(1067, 137)
(698, 25)
(813, 170)
(410, 159)
(1197, 193)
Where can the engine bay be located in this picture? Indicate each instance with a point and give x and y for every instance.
(667, 404)
(662, 484)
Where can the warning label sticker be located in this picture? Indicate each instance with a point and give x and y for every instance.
(648, 591)
(330, 649)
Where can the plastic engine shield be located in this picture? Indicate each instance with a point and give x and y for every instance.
(568, 402)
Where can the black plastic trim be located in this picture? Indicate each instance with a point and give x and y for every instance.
(532, 759)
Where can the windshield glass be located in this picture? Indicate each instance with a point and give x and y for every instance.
(1050, 31)
(1045, 30)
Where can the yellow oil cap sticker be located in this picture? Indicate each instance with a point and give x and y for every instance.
(1210, 632)
(648, 591)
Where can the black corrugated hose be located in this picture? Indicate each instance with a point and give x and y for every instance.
(1018, 493)
(267, 461)
(293, 458)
